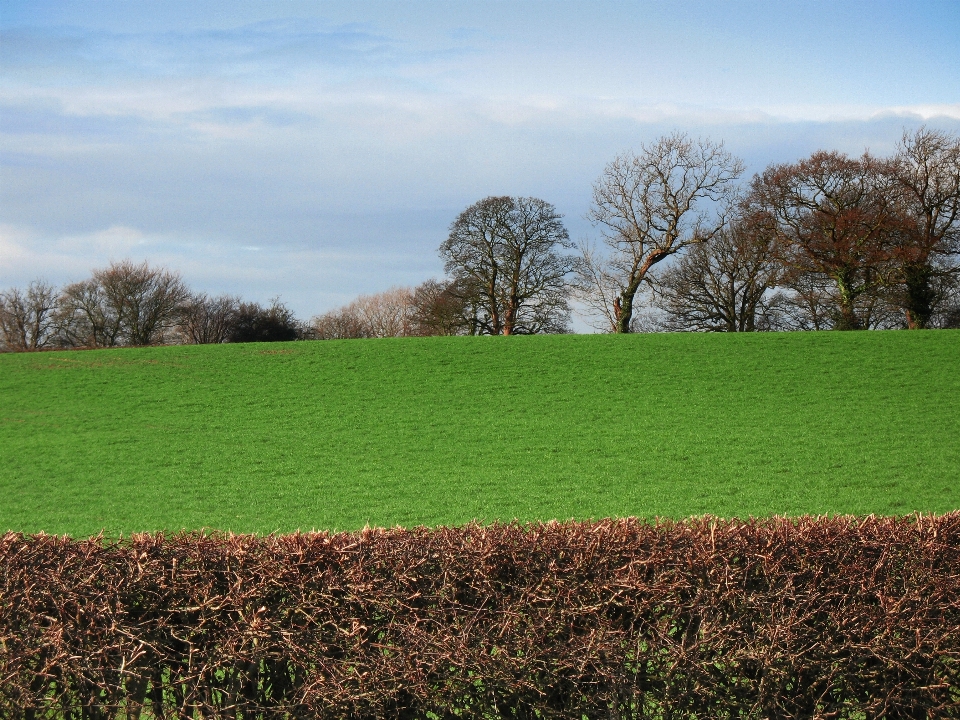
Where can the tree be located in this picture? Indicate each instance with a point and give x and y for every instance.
(928, 174)
(123, 304)
(388, 313)
(207, 320)
(832, 216)
(807, 303)
(439, 308)
(256, 323)
(431, 308)
(341, 324)
(28, 318)
(85, 318)
(650, 206)
(947, 313)
(503, 255)
(597, 284)
(725, 285)
(385, 314)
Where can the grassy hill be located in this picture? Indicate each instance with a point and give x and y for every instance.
(337, 434)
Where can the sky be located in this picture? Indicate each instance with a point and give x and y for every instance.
(319, 150)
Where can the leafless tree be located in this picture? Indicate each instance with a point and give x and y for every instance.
(28, 317)
(833, 217)
(649, 206)
(810, 301)
(388, 313)
(341, 324)
(807, 302)
(205, 320)
(385, 314)
(928, 171)
(84, 318)
(726, 285)
(432, 308)
(597, 286)
(439, 308)
(504, 255)
(947, 309)
(123, 304)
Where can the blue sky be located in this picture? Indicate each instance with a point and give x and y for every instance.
(316, 151)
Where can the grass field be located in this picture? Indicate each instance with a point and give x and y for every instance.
(336, 434)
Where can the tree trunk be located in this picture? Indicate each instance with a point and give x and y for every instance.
(848, 319)
(625, 314)
(510, 316)
(920, 295)
(495, 326)
(625, 311)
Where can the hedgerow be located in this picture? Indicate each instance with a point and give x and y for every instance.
(707, 618)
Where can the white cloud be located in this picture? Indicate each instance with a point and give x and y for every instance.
(321, 159)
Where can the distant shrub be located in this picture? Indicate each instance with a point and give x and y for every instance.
(252, 322)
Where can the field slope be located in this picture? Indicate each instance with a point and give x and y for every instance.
(333, 435)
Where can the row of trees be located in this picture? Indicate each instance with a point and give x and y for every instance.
(827, 242)
(128, 304)
(830, 242)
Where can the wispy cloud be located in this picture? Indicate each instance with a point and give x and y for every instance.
(341, 144)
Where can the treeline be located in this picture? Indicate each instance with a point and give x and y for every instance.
(134, 305)
(128, 304)
(829, 242)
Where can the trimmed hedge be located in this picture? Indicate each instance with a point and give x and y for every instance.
(706, 618)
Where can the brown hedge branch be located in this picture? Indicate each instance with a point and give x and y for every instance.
(776, 618)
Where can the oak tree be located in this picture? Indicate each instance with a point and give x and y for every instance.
(505, 257)
(928, 172)
(835, 217)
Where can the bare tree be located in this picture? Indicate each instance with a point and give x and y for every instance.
(28, 317)
(807, 303)
(503, 254)
(205, 320)
(341, 324)
(834, 217)
(928, 171)
(385, 314)
(85, 318)
(123, 304)
(388, 313)
(148, 300)
(947, 309)
(726, 285)
(650, 206)
(597, 286)
(439, 308)
(432, 308)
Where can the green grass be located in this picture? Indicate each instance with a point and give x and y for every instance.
(333, 435)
